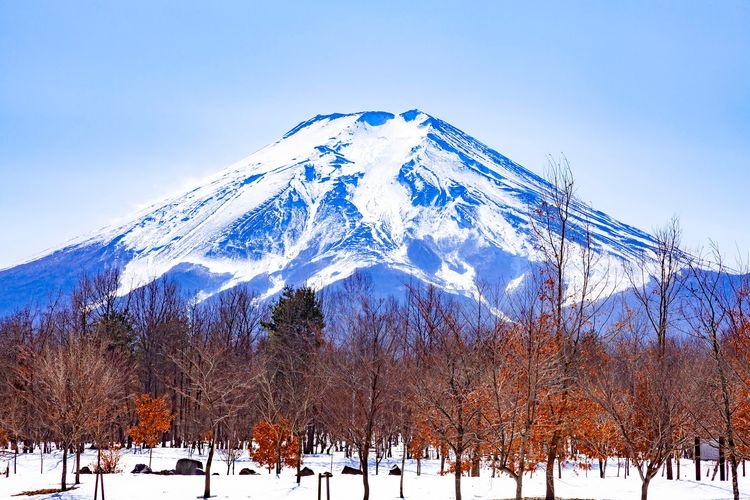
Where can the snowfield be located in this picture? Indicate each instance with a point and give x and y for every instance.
(575, 483)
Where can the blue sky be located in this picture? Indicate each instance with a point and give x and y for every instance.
(106, 106)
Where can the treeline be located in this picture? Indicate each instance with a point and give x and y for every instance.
(557, 369)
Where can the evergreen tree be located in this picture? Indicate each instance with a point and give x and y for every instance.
(291, 386)
(296, 322)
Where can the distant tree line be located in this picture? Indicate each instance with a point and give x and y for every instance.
(558, 369)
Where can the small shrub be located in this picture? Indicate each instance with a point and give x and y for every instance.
(274, 442)
(110, 461)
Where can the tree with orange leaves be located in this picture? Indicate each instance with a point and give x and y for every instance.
(275, 445)
(595, 434)
(420, 439)
(571, 296)
(520, 379)
(646, 411)
(154, 418)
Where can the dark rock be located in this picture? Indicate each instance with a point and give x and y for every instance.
(306, 471)
(327, 474)
(166, 472)
(395, 471)
(188, 467)
(199, 472)
(84, 470)
(247, 472)
(141, 469)
(215, 474)
(351, 470)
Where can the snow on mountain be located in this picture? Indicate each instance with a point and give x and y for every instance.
(404, 196)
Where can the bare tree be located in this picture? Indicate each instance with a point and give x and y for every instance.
(362, 373)
(448, 374)
(657, 285)
(73, 387)
(710, 318)
(218, 385)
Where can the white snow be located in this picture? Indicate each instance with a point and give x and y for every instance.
(188, 228)
(575, 483)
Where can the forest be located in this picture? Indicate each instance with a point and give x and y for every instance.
(517, 379)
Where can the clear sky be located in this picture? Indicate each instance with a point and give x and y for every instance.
(107, 106)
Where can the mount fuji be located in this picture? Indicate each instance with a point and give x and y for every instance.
(402, 197)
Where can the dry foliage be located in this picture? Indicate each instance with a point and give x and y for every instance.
(274, 444)
(154, 418)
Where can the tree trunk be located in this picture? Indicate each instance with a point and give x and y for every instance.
(63, 485)
(97, 471)
(697, 459)
(310, 441)
(299, 457)
(733, 465)
(475, 464)
(457, 477)
(101, 480)
(364, 453)
(519, 485)
(549, 474)
(403, 470)
(78, 463)
(207, 486)
(644, 488)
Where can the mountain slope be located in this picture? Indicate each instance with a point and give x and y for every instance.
(407, 196)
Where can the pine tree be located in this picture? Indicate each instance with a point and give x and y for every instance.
(296, 321)
(295, 336)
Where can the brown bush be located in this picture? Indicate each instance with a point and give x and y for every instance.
(109, 462)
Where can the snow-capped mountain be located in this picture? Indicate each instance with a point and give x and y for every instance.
(407, 197)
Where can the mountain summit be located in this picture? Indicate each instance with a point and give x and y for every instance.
(405, 197)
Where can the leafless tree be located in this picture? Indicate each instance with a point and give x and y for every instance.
(73, 387)
(710, 316)
(217, 384)
(448, 373)
(362, 372)
(657, 286)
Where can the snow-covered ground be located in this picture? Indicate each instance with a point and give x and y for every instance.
(575, 483)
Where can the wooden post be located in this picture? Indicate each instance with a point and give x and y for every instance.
(697, 458)
(320, 483)
(328, 487)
